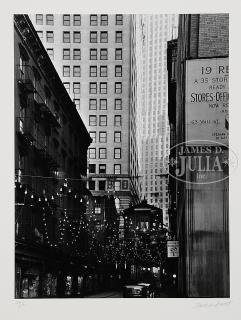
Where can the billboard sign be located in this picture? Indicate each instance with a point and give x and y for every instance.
(207, 100)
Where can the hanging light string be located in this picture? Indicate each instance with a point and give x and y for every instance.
(50, 177)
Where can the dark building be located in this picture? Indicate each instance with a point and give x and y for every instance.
(199, 117)
(171, 68)
(51, 142)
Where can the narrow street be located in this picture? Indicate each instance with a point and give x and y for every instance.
(116, 294)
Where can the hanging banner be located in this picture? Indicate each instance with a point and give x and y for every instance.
(172, 249)
(207, 100)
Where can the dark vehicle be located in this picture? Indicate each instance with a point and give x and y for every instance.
(150, 290)
(134, 291)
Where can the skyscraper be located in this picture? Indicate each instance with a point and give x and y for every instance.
(153, 125)
(92, 54)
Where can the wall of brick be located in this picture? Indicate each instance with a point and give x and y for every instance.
(213, 35)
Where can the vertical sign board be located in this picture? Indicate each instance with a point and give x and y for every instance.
(207, 99)
(172, 249)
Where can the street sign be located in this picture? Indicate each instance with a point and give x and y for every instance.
(172, 249)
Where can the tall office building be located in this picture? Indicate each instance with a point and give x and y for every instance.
(153, 125)
(92, 54)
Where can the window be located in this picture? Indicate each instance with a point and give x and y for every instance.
(103, 87)
(101, 186)
(66, 71)
(118, 54)
(93, 87)
(77, 37)
(39, 19)
(103, 121)
(103, 36)
(67, 86)
(66, 36)
(66, 19)
(117, 185)
(124, 184)
(103, 71)
(118, 71)
(92, 153)
(93, 71)
(93, 54)
(118, 87)
(117, 136)
(92, 168)
(118, 104)
(93, 20)
(104, 19)
(103, 104)
(51, 53)
(117, 169)
(102, 153)
(40, 34)
(93, 36)
(77, 20)
(76, 54)
(97, 211)
(117, 121)
(103, 54)
(102, 136)
(93, 136)
(102, 168)
(76, 87)
(77, 103)
(49, 19)
(118, 36)
(50, 36)
(117, 153)
(92, 104)
(119, 19)
(92, 121)
(76, 71)
(92, 185)
(66, 54)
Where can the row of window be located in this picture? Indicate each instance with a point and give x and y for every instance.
(102, 187)
(102, 168)
(103, 87)
(103, 71)
(103, 121)
(77, 19)
(76, 71)
(93, 71)
(103, 136)
(103, 37)
(92, 86)
(103, 104)
(103, 153)
(77, 36)
(103, 54)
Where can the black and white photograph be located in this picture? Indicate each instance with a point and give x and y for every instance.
(122, 159)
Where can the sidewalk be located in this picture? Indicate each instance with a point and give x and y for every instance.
(106, 294)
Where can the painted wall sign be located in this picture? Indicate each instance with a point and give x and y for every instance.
(207, 100)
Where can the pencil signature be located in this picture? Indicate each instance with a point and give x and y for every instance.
(213, 304)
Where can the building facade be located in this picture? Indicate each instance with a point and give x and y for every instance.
(51, 144)
(202, 201)
(92, 54)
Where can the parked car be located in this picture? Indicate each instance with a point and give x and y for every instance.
(134, 291)
(150, 290)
